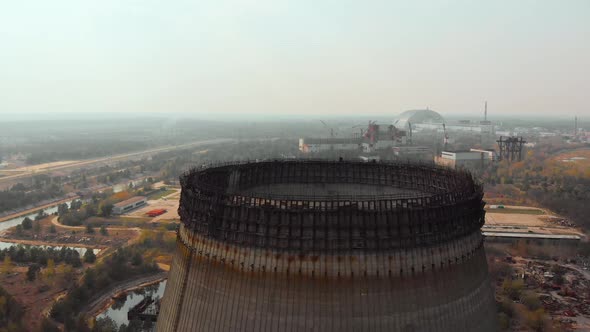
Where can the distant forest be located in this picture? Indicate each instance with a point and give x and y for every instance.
(50, 140)
(44, 152)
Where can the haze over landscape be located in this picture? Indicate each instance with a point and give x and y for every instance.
(256, 58)
(274, 165)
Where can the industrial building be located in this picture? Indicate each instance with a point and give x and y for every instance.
(474, 159)
(418, 119)
(375, 139)
(129, 204)
(398, 140)
(413, 153)
(430, 120)
(314, 145)
(292, 245)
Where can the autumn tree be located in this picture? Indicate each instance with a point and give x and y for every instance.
(66, 274)
(32, 271)
(105, 208)
(49, 272)
(27, 223)
(37, 227)
(19, 230)
(62, 209)
(89, 256)
(536, 320)
(7, 265)
(512, 288)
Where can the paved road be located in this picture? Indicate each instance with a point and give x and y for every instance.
(106, 160)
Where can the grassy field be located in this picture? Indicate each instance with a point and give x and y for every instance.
(161, 193)
(133, 219)
(118, 221)
(516, 211)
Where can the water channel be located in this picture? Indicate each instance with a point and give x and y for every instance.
(80, 250)
(4, 225)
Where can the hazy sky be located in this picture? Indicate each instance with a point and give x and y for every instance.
(295, 57)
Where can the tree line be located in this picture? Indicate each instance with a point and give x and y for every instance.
(21, 196)
(40, 255)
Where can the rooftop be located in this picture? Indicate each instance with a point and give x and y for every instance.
(460, 151)
(131, 200)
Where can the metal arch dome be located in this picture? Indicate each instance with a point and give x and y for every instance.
(417, 116)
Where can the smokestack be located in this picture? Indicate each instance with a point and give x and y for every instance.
(576, 126)
(485, 112)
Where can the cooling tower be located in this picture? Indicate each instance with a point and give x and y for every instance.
(329, 246)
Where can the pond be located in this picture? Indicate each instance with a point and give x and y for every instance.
(119, 309)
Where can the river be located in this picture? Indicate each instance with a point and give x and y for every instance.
(118, 310)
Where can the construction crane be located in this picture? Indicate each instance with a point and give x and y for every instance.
(362, 130)
(327, 127)
(446, 136)
(409, 140)
(372, 133)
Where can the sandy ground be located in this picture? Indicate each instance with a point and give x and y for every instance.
(169, 203)
(164, 267)
(509, 219)
(533, 223)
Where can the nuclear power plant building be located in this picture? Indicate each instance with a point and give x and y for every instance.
(293, 245)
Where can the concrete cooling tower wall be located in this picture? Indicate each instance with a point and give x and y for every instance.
(329, 246)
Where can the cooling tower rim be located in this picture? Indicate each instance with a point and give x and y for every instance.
(467, 187)
(212, 203)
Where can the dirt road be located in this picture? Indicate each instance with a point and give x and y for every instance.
(137, 230)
